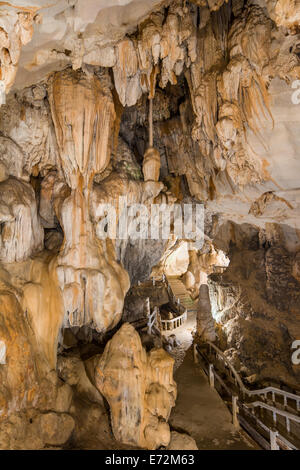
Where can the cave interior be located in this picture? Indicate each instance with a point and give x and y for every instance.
(114, 339)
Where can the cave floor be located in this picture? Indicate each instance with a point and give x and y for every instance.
(184, 334)
(201, 413)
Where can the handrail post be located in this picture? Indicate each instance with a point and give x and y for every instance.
(148, 314)
(196, 360)
(211, 376)
(287, 425)
(235, 410)
(2, 352)
(273, 440)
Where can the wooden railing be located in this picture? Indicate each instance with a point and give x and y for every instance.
(258, 430)
(276, 412)
(255, 426)
(174, 322)
(152, 317)
(263, 392)
(174, 300)
(154, 320)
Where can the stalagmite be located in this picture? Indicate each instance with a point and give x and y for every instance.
(139, 388)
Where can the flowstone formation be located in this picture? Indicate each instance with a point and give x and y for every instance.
(21, 233)
(83, 114)
(16, 31)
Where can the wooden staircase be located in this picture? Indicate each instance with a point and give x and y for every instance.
(180, 292)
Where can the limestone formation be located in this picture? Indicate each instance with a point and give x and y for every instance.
(205, 324)
(28, 144)
(19, 381)
(55, 429)
(16, 31)
(21, 233)
(139, 388)
(72, 371)
(43, 304)
(83, 113)
(284, 13)
(151, 165)
(181, 441)
(126, 73)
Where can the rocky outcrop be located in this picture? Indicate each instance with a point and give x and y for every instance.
(16, 31)
(284, 13)
(72, 371)
(43, 303)
(181, 441)
(78, 102)
(55, 429)
(139, 388)
(27, 141)
(21, 234)
(205, 323)
(19, 378)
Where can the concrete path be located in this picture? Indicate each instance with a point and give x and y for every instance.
(201, 412)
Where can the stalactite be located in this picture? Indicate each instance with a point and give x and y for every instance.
(150, 122)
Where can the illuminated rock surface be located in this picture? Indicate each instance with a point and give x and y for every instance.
(139, 388)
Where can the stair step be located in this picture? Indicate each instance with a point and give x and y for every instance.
(179, 290)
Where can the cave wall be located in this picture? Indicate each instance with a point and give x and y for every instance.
(255, 304)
